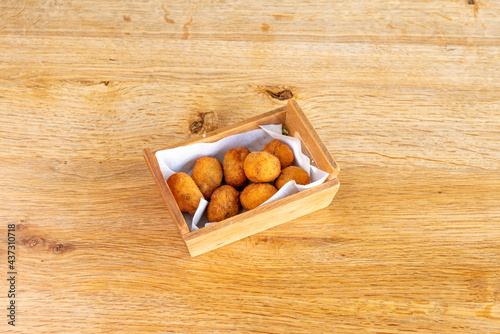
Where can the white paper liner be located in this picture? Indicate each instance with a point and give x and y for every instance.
(182, 159)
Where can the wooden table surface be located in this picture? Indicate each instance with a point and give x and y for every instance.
(405, 95)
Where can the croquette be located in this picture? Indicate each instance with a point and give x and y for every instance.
(232, 165)
(295, 173)
(225, 203)
(255, 194)
(185, 191)
(261, 167)
(281, 151)
(207, 174)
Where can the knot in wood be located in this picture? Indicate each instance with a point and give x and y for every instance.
(33, 241)
(58, 248)
(196, 126)
(283, 95)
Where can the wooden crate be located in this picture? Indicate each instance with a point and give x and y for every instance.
(264, 216)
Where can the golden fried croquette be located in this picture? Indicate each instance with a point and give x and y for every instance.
(207, 174)
(271, 146)
(295, 173)
(255, 194)
(281, 151)
(234, 174)
(225, 203)
(261, 167)
(185, 191)
(285, 155)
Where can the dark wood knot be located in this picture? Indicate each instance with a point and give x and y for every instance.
(58, 248)
(196, 126)
(283, 95)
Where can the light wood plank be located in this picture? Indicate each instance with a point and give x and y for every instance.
(405, 96)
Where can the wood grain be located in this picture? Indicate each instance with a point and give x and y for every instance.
(405, 95)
